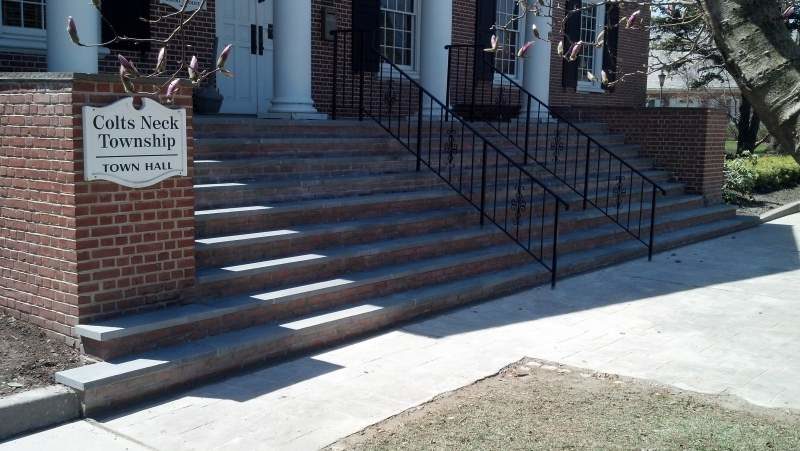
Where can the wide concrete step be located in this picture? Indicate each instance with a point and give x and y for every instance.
(122, 380)
(311, 147)
(207, 127)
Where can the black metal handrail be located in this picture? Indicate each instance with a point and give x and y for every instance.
(534, 122)
(503, 191)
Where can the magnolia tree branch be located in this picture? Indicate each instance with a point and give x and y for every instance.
(128, 72)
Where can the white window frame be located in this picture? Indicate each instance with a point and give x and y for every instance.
(519, 62)
(21, 38)
(413, 69)
(597, 69)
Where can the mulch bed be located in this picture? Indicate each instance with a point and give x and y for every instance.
(28, 359)
(762, 203)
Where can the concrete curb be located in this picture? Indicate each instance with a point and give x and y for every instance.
(37, 409)
(777, 213)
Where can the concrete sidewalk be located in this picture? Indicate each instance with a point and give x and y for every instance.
(720, 316)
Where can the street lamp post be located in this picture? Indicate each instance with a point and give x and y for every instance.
(662, 77)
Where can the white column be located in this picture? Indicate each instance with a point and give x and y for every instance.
(62, 54)
(436, 31)
(536, 68)
(292, 61)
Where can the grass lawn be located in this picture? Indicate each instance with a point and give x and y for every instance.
(537, 405)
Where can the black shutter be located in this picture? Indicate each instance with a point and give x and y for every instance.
(572, 34)
(366, 24)
(125, 17)
(485, 17)
(611, 46)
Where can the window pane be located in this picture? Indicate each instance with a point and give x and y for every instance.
(32, 15)
(509, 38)
(12, 13)
(398, 31)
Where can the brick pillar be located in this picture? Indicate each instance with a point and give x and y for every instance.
(73, 251)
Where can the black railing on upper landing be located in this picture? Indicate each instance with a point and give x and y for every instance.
(503, 191)
(599, 176)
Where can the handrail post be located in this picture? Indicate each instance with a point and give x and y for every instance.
(474, 85)
(586, 173)
(652, 225)
(527, 129)
(419, 130)
(335, 74)
(554, 265)
(447, 88)
(361, 77)
(483, 183)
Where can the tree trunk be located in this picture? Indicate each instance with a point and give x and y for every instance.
(748, 126)
(763, 59)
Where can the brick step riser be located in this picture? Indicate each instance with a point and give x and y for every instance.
(303, 305)
(207, 256)
(326, 335)
(211, 151)
(331, 268)
(229, 173)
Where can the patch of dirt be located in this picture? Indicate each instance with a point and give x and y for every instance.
(28, 359)
(541, 405)
(762, 203)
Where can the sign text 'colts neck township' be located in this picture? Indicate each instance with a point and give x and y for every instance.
(134, 148)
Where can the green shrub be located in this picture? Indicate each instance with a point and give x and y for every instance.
(776, 172)
(740, 178)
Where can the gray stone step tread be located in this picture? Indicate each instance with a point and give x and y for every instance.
(310, 181)
(334, 159)
(294, 140)
(272, 236)
(668, 201)
(299, 261)
(313, 204)
(98, 374)
(173, 316)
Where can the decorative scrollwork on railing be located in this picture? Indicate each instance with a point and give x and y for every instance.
(557, 147)
(518, 205)
(620, 191)
(389, 97)
(452, 148)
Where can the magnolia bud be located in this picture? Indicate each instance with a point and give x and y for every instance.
(575, 50)
(173, 88)
(560, 48)
(590, 77)
(97, 4)
(523, 51)
(632, 18)
(161, 62)
(789, 12)
(604, 78)
(126, 83)
(495, 45)
(72, 30)
(601, 39)
(194, 69)
(223, 56)
(536, 31)
(130, 69)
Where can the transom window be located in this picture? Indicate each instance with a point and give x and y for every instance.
(509, 38)
(591, 61)
(28, 14)
(398, 31)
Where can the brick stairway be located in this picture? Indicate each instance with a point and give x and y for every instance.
(309, 233)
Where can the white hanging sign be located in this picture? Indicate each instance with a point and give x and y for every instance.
(193, 5)
(134, 148)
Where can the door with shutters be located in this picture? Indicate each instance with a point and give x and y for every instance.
(246, 25)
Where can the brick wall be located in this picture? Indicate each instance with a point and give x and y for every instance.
(688, 142)
(23, 62)
(72, 251)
